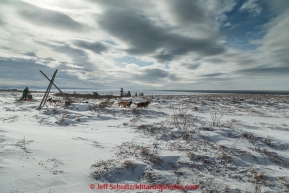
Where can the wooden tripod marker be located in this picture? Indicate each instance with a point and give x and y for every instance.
(47, 91)
(56, 86)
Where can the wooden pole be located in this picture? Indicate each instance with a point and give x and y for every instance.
(47, 91)
(50, 85)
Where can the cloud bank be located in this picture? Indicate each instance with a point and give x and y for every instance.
(164, 44)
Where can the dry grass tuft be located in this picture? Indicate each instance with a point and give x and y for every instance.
(128, 164)
(144, 151)
(155, 159)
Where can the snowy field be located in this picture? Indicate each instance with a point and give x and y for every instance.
(223, 143)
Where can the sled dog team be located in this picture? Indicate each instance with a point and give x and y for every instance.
(51, 101)
(122, 104)
(138, 105)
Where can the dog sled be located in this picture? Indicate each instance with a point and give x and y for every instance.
(30, 98)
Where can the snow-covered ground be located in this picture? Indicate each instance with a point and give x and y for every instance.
(223, 143)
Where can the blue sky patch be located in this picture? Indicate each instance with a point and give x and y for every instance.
(133, 60)
(241, 27)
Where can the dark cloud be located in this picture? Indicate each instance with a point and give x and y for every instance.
(2, 23)
(45, 17)
(27, 70)
(268, 71)
(280, 51)
(240, 59)
(215, 60)
(278, 6)
(46, 60)
(246, 61)
(164, 57)
(110, 42)
(145, 37)
(154, 76)
(136, 30)
(22, 69)
(49, 59)
(78, 56)
(121, 5)
(188, 11)
(96, 47)
(185, 11)
(33, 54)
(213, 80)
(191, 66)
(213, 74)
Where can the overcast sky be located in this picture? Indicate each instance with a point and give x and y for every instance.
(146, 44)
